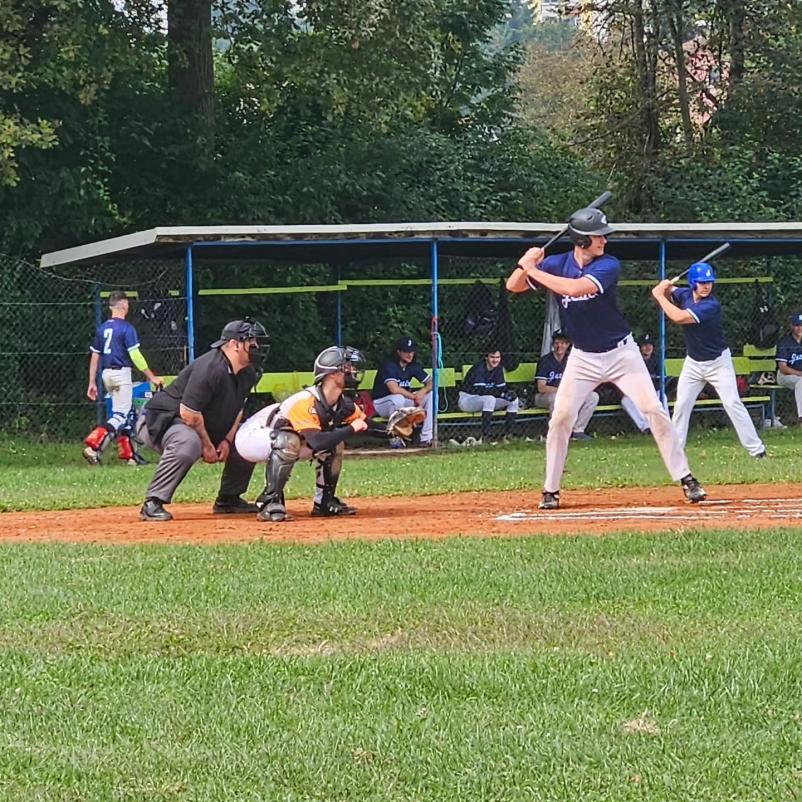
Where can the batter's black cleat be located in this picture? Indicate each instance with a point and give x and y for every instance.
(551, 501)
(694, 492)
(234, 506)
(332, 507)
(152, 510)
(760, 455)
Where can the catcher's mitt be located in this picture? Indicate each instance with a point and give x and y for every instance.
(403, 421)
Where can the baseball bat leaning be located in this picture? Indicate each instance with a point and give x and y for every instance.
(706, 258)
(597, 204)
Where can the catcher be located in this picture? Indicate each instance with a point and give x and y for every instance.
(314, 424)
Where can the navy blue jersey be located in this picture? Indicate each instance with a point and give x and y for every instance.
(550, 369)
(594, 322)
(390, 370)
(483, 381)
(790, 352)
(653, 366)
(704, 340)
(113, 340)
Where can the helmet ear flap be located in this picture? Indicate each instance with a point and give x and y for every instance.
(580, 240)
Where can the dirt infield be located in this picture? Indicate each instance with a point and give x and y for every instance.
(511, 513)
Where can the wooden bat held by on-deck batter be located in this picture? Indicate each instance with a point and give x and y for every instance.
(705, 258)
(597, 204)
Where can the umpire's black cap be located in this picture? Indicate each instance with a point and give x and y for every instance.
(241, 330)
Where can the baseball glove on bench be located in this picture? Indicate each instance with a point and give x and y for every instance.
(404, 420)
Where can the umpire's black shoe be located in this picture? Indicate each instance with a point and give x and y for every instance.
(694, 492)
(232, 506)
(333, 507)
(152, 510)
(551, 501)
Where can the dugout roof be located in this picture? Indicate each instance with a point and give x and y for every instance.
(349, 243)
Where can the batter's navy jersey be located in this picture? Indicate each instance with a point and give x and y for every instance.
(113, 340)
(790, 352)
(550, 369)
(390, 370)
(594, 322)
(704, 340)
(481, 381)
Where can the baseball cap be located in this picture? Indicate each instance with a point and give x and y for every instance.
(406, 344)
(559, 334)
(796, 320)
(240, 330)
(645, 339)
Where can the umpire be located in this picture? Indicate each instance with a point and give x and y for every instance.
(197, 417)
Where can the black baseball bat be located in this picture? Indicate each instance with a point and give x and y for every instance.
(597, 204)
(706, 258)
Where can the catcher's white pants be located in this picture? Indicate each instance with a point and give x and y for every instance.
(546, 401)
(625, 368)
(468, 402)
(390, 403)
(721, 374)
(795, 384)
(120, 387)
(253, 438)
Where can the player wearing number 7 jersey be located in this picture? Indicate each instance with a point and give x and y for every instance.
(115, 350)
(585, 283)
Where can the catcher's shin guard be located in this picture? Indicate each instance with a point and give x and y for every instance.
(96, 442)
(286, 448)
(328, 475)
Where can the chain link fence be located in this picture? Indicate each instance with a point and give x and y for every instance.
(48, 319)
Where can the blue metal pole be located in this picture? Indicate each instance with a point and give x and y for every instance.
(100, 404)
(662, 328)
(189, 282)
(339, 311)
(435, 340)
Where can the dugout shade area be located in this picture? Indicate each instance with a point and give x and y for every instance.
(313, 286)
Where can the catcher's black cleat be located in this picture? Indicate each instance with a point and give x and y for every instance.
(152, 510)
(551, 501)
(333, 507)
(694, 492)
(274, 512)
(234, 506)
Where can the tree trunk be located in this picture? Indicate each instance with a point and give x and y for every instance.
(675, 21)
(190, 70)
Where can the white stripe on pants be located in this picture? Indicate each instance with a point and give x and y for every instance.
(625, 368)
(387, 405)
(721, 374)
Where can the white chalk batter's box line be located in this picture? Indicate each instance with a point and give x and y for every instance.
(773, 507)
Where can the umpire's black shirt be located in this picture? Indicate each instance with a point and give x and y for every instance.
(210, 387)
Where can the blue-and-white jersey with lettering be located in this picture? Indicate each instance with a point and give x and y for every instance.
(593, 322)
(550, 369)
(704, 340)
(390, 369)
(114, 339)
(790, 352)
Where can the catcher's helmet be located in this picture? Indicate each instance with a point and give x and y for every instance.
(340, 359)
(586, 223)
(701, 273)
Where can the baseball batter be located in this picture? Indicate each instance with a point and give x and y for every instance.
(698, 311)
(115, 350)
(585, 282)
(789, 361)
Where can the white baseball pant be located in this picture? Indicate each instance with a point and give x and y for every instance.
(120, 387)
(720, 373)
(390, 403)
(468, 402)
(253, 438)
(546, 401)
(794, 383)
(625, 368)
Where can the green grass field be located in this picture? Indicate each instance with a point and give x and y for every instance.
(629, 667)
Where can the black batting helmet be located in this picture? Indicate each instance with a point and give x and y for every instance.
(337, 359)
(586, 223)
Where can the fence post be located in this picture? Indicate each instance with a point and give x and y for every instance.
(189, 288)
(435, 343)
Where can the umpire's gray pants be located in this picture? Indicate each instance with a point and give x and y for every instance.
(180, 449)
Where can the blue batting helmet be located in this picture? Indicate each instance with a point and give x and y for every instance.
(701, 273)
